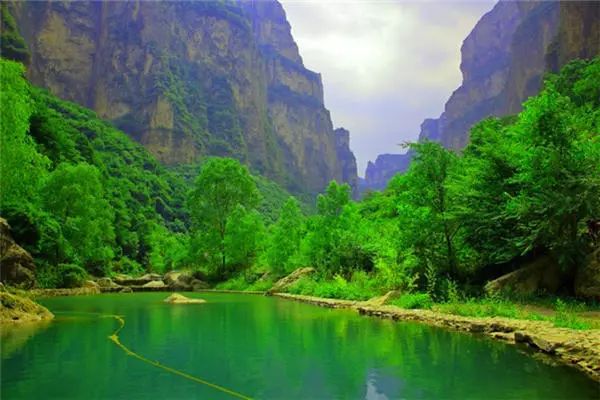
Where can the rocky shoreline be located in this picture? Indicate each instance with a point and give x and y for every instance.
(15, 309)
(579, 349)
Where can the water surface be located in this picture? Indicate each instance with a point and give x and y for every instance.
(264, 348)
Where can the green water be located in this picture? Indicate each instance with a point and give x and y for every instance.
(265, 348)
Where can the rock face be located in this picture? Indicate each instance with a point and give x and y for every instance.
(16, 309)
(383, 169)
(542, 275)
(504, 59)
(587, 280)
(346, 159)
(189, 78)
(289, 280)
(495, 79)
(17, 267)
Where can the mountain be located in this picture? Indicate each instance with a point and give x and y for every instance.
(378, 173)
(188, 79)
(347, 159)
(503, 62)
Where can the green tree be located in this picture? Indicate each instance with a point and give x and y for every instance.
(12, 44)
(482, 183)
(168, 250)
(222, 185)
(74, 195)
(425, 207)
(244, 238)
(22, 168)
(558, 175)
(333, 243)
(285, 237)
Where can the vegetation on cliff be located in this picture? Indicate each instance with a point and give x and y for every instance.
(77, 191)
(187, 79)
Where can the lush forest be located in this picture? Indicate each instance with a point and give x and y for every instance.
(86, 200)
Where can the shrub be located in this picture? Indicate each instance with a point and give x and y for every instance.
(236, 283)
(414, 301)
(71, 275)
(127, 266)
(304, 286)
(47, 276)
(261, 285)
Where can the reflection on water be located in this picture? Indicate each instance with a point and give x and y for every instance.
(378, 384)
(13, 337)
(268, 348)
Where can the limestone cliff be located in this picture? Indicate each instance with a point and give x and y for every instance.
(504, 59)
(496, 79)
(346, 159)
(188, 79)
(378, 173)
(506, 56)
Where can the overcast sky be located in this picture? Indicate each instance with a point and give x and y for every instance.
(386, 65)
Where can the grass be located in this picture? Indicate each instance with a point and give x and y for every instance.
(413, 301)
(242, 282)
(359, 287)
(565, 314)
(562, 313)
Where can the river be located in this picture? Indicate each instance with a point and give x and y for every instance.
(260, 347)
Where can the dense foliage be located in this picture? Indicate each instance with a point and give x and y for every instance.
(79, 192)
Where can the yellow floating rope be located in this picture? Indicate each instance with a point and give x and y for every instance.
(115, 339)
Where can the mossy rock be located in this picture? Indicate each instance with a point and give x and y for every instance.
(17, 309)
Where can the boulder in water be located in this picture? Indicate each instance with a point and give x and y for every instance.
(177, 298)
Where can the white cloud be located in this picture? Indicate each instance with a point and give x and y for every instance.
(386, 65)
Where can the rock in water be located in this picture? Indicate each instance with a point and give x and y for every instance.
(177, 298)
(17, 264)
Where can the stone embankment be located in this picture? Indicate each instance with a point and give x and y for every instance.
(580, 349)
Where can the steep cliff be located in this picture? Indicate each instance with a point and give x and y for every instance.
(346, 159)
(497, 78)
(504, 59)
(188, 79)
(506, 56)
(383, 169)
